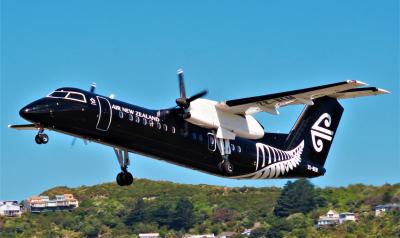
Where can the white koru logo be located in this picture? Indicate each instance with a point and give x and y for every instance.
(92, 101)
(318, 132)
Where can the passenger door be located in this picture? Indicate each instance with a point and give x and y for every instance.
(105, 114)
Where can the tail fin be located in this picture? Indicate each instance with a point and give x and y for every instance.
(316, 125)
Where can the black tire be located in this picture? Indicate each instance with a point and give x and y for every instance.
(121, 179)
(44, 138)
(228, 167)
(128, 179)
(38, 140)
(220, 166)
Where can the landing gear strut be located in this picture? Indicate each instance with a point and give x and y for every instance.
(225, 165)
(41, 138)
(124, 178)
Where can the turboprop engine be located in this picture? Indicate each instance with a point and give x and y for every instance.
(204, 113)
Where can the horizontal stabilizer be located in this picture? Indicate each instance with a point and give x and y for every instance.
(24, 127)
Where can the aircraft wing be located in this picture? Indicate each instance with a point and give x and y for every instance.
(271, 102)
(24, 127)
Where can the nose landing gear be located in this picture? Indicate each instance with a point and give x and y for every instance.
(225, 166)
(124, 178)
(41, 138)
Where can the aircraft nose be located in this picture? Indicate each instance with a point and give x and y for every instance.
(36, 111)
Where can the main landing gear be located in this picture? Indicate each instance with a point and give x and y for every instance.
(41, 138)
(225, 166)
(124, 178)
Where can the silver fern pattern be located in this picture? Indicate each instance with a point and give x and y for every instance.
(275, 162)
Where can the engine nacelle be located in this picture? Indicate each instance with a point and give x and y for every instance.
(204, 113)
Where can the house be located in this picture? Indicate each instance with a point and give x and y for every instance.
(44, 203)
(380, 209)
(10, 208)
(334, 218)
(346, 216)
(200, 236)
(149, 235)
(71, 201)
(331, 218)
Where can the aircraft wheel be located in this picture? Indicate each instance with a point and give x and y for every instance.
(121, 179)
(44, 138)
(124, 179)
(128, 179)
(220, 166)
(228, 167)
(38, 140)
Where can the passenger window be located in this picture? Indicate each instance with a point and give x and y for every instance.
(76, 96)
(130, 117)
(159, 125)
(194, 136)
(201, 137)
(121, 114)
(137, 119)
(232, 147)
(173, 130)
(144, 121)
(165, 127)
(239, 149)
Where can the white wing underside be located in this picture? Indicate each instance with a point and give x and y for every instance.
(272, 102)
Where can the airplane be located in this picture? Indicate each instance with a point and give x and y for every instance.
(218, 138)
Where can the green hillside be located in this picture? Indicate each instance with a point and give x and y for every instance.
(108, 210)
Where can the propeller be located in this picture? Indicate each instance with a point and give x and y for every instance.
(184, 102)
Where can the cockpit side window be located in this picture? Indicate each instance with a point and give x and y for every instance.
(58, 94)
(76, 97)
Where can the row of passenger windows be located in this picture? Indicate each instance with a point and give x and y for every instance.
(164, 127)
(146, 122)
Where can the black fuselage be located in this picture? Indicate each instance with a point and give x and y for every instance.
(160, 134)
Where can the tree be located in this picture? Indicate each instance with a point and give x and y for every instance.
(162, 215)
(298, 196)
(183, 215)
(137, 214)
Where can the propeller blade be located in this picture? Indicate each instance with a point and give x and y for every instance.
(73, 141)
(197, 96)
(182, 90)
(92, 87)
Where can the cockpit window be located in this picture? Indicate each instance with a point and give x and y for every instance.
(58, 94)
(76, 96)
(80, 97)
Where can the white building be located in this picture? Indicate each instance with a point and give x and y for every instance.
(334, 218)
(331, 218)
(10, 208)
(200, 236)
(346, 216)
(386, 208)
(149, 235)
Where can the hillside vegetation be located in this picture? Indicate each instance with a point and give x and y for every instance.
(107, 210)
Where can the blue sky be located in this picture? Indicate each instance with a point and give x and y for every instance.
(233, 48)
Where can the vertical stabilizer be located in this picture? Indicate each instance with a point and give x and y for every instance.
(317, 126)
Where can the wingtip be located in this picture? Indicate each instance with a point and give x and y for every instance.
(358, 83)
(383, 91)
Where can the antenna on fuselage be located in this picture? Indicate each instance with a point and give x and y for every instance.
(92, 87)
